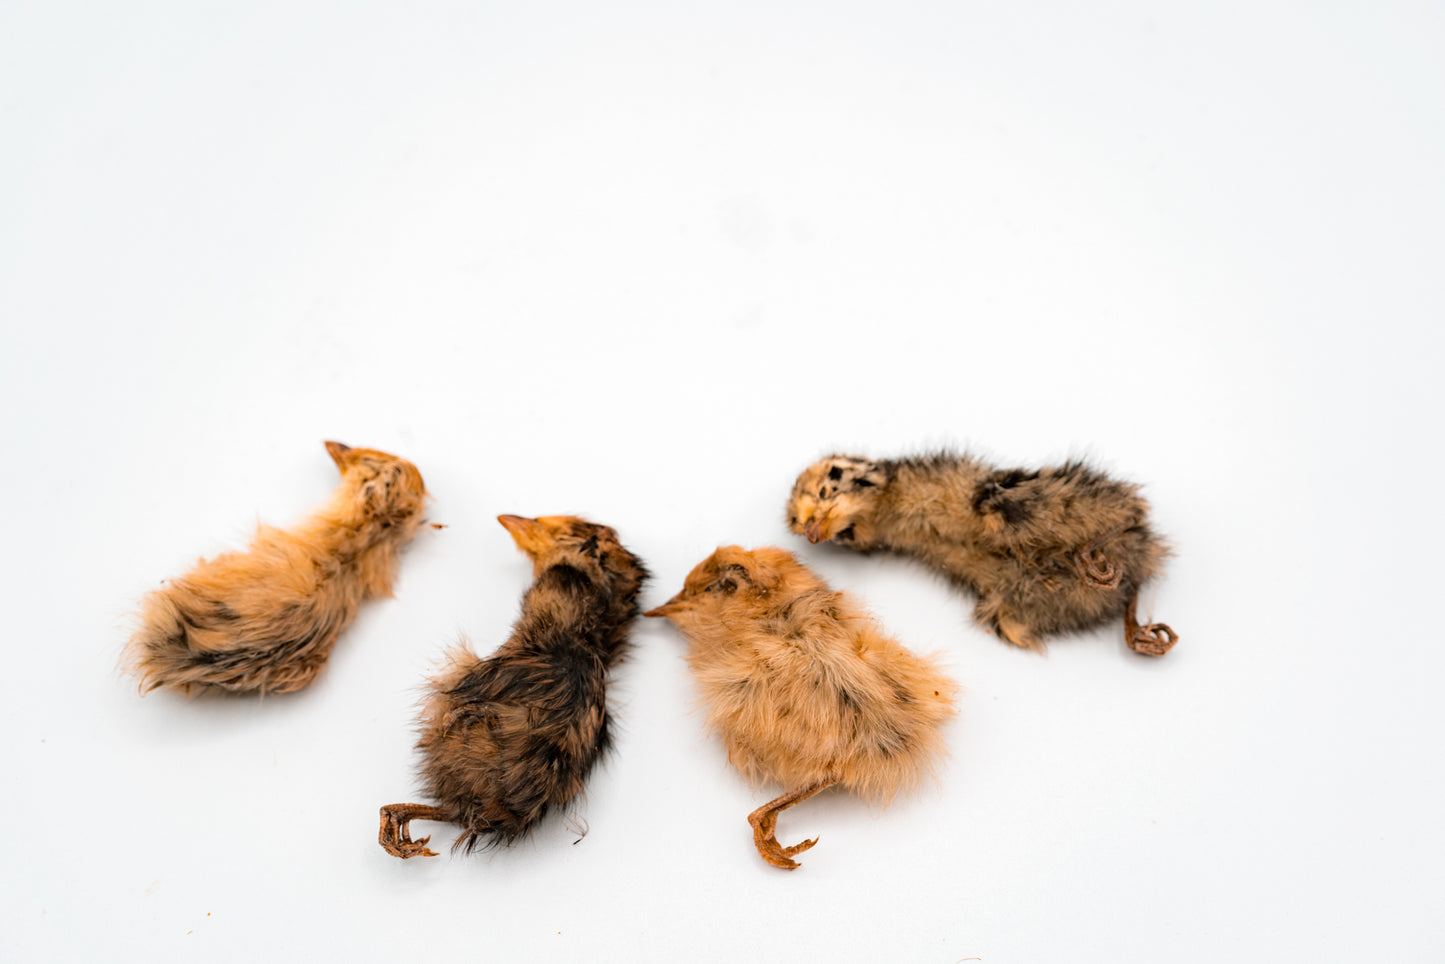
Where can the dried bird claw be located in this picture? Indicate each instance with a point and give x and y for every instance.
(419, 848)
(1155, 639)
(765, 825)
(406, 849)
(1094, 566)
(780, 856)
(796, 849)
(766, 840)
(395, 833)
(1096, 569)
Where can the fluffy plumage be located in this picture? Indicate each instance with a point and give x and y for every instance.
(803, 687)
(265, 620)
(507, 738)
(1047, 551)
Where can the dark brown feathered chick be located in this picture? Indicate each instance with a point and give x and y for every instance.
(1047, 551)
(506, 738)
(803, 686)
(265, 620)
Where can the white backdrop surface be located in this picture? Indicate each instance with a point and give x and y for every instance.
(644, 263)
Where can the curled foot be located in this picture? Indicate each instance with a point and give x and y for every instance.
(1155, 639)
(765, 838)
(1094, 566)
(395, 833)
(1152, 639)
(1096, 569)
(765, 825)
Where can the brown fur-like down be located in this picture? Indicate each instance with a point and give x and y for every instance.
(1046, 551)
(507, 738)
(265, 620)
(803, 687)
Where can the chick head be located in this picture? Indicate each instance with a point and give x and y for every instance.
(734, 576)
(384, 488)
(552, 539)
(834, 499)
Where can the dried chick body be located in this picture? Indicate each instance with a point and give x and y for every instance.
(507, 738)
(803, 687)
(265, 620)
(1053, 550)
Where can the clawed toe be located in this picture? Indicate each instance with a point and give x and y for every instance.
(406, 849)
(765, 839)
(418, 848)
(765, 823)
(395, 833)
(776, 858)
(395, 840)
(798, 848)
(782, 857)
(1155, 639)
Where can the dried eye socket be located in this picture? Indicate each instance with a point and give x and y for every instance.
(726, 584)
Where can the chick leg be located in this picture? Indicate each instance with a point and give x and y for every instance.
(395, 834)
(765, 824)
(1155, 639)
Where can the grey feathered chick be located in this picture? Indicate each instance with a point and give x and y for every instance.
(1047, 551)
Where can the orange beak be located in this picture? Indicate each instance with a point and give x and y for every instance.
(673, 605)
(529, 534)
(813, 531)
(336, 450)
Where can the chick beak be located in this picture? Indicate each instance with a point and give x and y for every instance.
(675, 604)
(813, 531)
(337, 450)
(529, 534)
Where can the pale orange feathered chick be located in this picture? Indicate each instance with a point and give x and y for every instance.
(265, 620)
(804, 687)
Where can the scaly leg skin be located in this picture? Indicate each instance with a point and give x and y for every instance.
(395, 834)
(765, 823)
(1155, 639)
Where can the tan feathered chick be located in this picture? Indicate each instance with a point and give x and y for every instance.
(803, 687)
(1052, 550)
(265, 620)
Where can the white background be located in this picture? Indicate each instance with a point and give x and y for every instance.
(644, 263)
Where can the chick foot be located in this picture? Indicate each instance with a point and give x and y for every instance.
(1155, 639)
(395, 834)
(765, 824)
(1094, 566)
